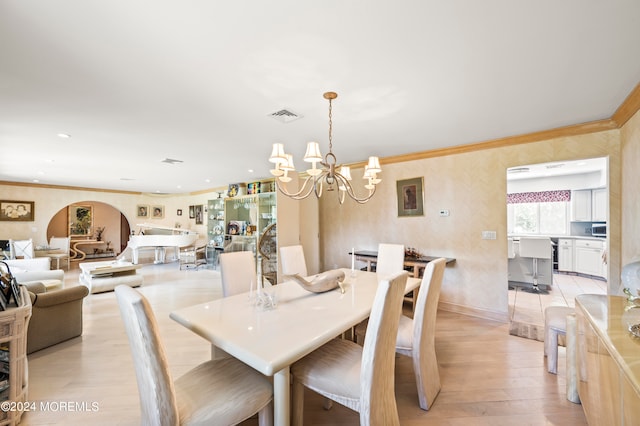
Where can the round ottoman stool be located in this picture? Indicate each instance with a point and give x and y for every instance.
(555, 323)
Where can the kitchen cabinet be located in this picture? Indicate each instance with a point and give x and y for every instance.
(599, 202)
(589, 205)
(588, 257)
(581, 205)
(565, 255)
(607, 359)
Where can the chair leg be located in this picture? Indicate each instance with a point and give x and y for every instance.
(552, 351)
(427, 375)
(265, 416)
(297, 403)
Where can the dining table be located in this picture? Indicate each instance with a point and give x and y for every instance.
(271, 339)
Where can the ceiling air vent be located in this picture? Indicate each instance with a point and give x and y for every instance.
(171, 161)
(285, 116)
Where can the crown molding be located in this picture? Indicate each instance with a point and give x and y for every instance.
(73, 188)
(629, 107)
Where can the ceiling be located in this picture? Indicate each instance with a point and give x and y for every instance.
(558, 168)
(138, 81)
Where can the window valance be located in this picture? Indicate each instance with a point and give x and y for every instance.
(539, 197)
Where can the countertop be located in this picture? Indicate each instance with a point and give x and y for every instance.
(611, 322)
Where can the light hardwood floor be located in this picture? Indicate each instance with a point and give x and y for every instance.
(488, 376)
(526, 310)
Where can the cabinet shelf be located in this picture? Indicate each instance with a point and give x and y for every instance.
(13, 343)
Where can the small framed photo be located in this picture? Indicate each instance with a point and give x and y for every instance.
(410, 195)
(192, 212)
(15, 292)
(179, 212)
(157, 212)
(17, 211)
(143, 210)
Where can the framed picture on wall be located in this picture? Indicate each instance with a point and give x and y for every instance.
(192, 212)
(179, 212)
(157, 212)
(17, 211)
(410, 195)
(143, 210)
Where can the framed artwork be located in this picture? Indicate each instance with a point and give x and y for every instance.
(157, 212)
(179, 212)
(410, 195)
(192, 212)
(198, 212)
(80, 220)
(143, 210)
(17, 211)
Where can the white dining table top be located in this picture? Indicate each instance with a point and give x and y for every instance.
(270, 340)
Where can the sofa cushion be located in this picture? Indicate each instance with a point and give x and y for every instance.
(35, 264)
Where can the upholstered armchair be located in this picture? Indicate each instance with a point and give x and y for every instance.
(56, 315)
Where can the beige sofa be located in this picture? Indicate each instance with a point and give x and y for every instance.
(56, 316)
(36, 270)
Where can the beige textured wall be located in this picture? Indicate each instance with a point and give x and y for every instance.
(473, 187)
(630, 139)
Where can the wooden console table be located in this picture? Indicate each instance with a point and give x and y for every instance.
(77, 253)
(417, 264)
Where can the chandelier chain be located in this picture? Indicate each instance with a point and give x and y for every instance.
(330, 129)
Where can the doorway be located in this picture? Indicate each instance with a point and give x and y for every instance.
(563, 202)
(106, 223)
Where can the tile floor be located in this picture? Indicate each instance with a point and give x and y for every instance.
(526, 310)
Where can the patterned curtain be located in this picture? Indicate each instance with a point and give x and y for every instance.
(539, 197)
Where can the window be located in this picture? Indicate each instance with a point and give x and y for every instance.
(544, 218)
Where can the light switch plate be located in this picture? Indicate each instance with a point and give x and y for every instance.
(488, 235)
(444, 212)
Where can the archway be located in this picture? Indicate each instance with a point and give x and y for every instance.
(111, 222)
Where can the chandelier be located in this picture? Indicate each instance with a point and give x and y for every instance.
(327, 174)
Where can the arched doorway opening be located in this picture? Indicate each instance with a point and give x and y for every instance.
(99, 220)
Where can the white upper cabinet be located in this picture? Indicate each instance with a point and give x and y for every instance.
(599, 201)
(581, 205)
(589, 205)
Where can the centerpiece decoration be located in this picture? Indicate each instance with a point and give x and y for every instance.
(323, 282)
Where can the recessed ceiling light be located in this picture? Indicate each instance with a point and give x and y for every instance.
(250, 170)
(179, 186)
(207, 180)
(64, 135)
(36, 181)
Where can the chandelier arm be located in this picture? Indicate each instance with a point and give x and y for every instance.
(318, 183)
(351, 192)
(314, 183)
(301, 194)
